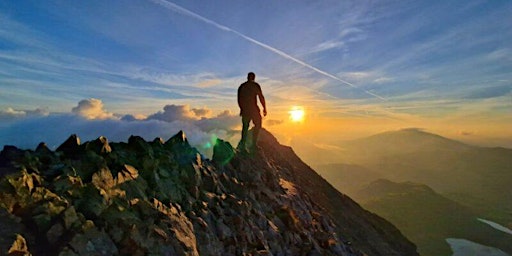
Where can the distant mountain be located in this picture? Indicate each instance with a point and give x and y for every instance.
(428, 218)
(474, 176)
(463, 183)
(164, 198)
(316, 154)
(347, 178)
(405, 140)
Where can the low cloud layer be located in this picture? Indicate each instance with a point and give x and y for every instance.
(89, 120)
(11, 115)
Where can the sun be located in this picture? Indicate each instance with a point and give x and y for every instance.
(297, 114)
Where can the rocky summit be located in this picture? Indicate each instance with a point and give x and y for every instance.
(165, 198)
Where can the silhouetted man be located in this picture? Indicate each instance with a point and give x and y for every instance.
(248, 93)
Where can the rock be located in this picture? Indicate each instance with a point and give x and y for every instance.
(10, 228)
(178, 139)
(43, 149)
(18, 247)
(223, 152)
(8, 156)
(99, 146)
(139, 145)
(55, 233)
(155, 198)
(70, 218)
(181, 149)
(93, 242)
(70, 147)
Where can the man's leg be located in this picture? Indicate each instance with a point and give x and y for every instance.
(256, 130)
(245, 128)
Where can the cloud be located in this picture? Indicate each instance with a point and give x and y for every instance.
(383, 79)
(202, 112)
(224, 121)
(346, 36)
(175, 112)
(490, 92)
(357, 75)
(209, 82)
(92, 109)
(176, 8)
(272, 122)
(328, 45)
(11, 114)
(89, 120)
(503, 54)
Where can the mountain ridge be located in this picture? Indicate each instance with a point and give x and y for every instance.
(427, 217)
(165, 198)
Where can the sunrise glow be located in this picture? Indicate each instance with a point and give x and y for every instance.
(297, 114)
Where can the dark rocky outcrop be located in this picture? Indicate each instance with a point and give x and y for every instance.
(164, 198)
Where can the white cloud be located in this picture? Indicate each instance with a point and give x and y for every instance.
(503, 54)
(200, 117)
(209, 82)
(223, 121)
(357, 76)
(92, 109)
(11, 114)
(175, 112)
(328, 45)
(383, 79)
(89, 120)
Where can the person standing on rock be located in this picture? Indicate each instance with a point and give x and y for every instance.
(248, 94)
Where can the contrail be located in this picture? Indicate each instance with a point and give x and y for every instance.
(176, 8)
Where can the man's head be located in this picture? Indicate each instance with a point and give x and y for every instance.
(251, 76)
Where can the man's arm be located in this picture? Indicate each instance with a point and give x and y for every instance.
(262, 100)
(239, 98)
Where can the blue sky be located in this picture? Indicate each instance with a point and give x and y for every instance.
(418, 62)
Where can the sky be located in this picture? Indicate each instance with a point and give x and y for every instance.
(154, 67)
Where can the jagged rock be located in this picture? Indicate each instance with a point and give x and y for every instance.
(178, 139)
(158, 141)
(55, 233)
(42, 148)
(93, 242)
(8, 156)
(139, 145)
(18, 247)
(155, 198)
(179, 146)
(99, 146)
(71, 146)
(223, 152)
(10, 228)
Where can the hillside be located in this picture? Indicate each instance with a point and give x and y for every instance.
(164, 198)
(428, 218)
(477, 177)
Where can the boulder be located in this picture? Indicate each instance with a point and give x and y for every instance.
(223, 152)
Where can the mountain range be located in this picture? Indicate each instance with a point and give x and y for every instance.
(165, 198)
(430, 187)
(428, 218)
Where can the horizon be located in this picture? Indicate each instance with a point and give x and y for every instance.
(152, 68)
